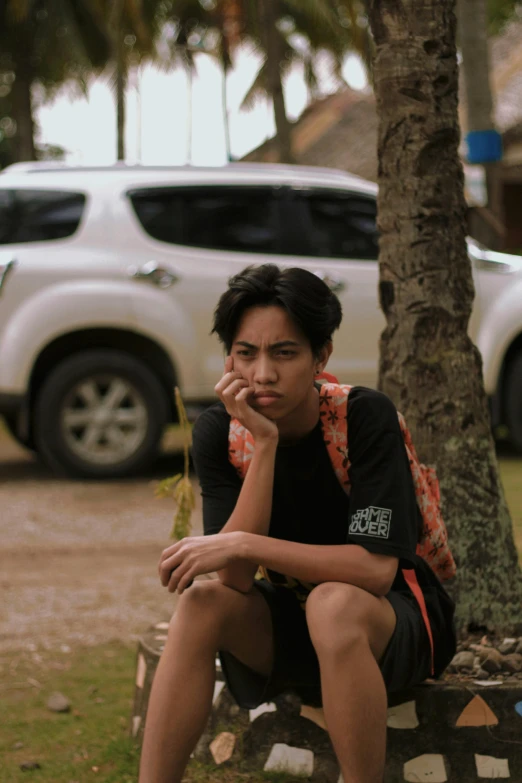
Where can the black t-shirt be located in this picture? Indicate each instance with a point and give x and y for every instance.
(310, 506)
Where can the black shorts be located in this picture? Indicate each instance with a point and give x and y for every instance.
(406, 662)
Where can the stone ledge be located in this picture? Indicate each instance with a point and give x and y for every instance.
(437, 731)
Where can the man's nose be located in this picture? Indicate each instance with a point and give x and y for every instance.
(264, 370)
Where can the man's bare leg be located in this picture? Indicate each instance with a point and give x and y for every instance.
(209, 617)
(350, 630)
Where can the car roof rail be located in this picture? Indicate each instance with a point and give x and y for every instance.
(47, 166)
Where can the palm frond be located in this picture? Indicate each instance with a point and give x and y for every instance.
(310, 75)
(256, 90)
(134, 13)
(110, 76)
(92, 31)
(18, 10)
(317, 12)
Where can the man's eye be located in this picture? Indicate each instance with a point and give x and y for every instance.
(244, 353)
(284, 352)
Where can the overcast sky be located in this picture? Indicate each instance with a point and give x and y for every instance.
(87, 128)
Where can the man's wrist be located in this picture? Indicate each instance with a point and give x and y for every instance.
(267, 443)
(245, 542)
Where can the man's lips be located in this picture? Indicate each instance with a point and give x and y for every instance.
(275, 395)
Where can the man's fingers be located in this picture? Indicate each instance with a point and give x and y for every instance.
(232, 390)
(244, 393)
(168, 552)
(186, 581)
(167, 567)
(165, 575)
(161, 571)
(225, 381)
(176, 576)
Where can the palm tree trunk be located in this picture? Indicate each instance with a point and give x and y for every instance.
(139, 124)
(226, 113)
(121, 83)
(472, 18)
(268, 13)
(189, 112)
(120, 72)
(23, 114)
(428, 364)
(473, 40)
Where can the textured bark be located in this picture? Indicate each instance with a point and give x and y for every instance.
(272, 44)
(472, 18)
(473, 41)
(226, 113)
(120, 72)
(121, 82)
(23, 115)
(428, 364)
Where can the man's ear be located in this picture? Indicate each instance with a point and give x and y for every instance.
(324, 355)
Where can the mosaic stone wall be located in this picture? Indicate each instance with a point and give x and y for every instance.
(437, 732)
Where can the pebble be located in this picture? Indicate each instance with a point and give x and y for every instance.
(57, 702)
(29, 765)
(493, 662)
(481, 651)
(492, 657)
(512, 663)
(18, 745)
(508, 646)
(463, 660)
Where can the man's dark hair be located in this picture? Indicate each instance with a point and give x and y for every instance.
(311, 305)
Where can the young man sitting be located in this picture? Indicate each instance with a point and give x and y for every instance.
(333, 618)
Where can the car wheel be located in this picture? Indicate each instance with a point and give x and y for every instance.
(11, 426)
(514, 402)
(100, 414)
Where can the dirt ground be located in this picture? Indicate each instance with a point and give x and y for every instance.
(78, 560)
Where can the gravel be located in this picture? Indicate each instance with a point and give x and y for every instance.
(78, 563)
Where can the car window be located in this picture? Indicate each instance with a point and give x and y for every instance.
(241, 219)
(340, 225)
(6, 215)
(38, 215)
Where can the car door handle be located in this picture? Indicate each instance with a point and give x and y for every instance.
(5, 269)
(154, 273)
(335, 284)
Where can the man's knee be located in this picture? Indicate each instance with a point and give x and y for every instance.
(216, 616)
(338, 617)
(206, 602)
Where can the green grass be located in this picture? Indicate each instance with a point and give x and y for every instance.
(91, 742)
(99, 684)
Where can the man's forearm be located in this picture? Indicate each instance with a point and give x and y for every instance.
(252, 512)
(347, 563)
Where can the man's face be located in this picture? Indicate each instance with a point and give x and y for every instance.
(275, 357)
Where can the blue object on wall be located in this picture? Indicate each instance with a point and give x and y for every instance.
(484, 146)
(518, 707)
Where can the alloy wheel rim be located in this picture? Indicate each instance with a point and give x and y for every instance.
(104, 419)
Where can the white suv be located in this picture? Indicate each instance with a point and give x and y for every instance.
(109, 278)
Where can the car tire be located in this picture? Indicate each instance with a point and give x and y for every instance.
(12, 428)
(79, 434)
(514, 402)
